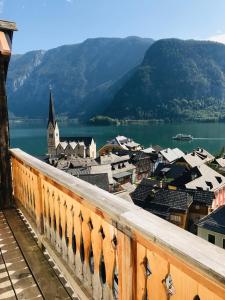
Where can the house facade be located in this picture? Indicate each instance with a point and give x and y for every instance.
(212, 227)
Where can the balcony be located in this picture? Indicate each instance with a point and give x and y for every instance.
(106, 247)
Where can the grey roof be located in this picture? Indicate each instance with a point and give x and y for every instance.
(143, 190)
(169, 170)
(100, 180)
(203, 197)
(179, 200)
(78, 171)
(121, 175)
(86, 139)
(214, 221)
(160, 210)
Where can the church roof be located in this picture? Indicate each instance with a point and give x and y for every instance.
(51, 116)
(87, 139)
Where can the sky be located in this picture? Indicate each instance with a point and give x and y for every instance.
(46, 24)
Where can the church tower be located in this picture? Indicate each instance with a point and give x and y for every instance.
(53, 130)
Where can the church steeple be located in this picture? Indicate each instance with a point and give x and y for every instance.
(51, 116)
(53, 130)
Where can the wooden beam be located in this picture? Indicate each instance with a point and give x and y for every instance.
(5, 167)
(7, 26)
(6, 35)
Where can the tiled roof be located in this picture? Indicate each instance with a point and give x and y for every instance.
(100, 180)
(86, 139)
(221, 161)
(160, 210)
(171, 154)
(187, 177)
(204, 197)
(209, 179)
(176, 199)
(192, 159)
(143, 190)
(169, 170)
(78, 171)
(214, 221)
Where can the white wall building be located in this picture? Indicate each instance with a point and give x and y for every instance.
(70, 146)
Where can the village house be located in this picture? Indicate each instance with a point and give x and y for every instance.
(171, 155)
(120, 143)
(142, 161)
(221, 162)
(66, 146)
(203, 178)
(212, 227)
(183, 207)
(153, 149)
(122, 170)
(195, 158)
(168, 172)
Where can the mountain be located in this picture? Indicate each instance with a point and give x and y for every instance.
(83, 76)
(177, 80)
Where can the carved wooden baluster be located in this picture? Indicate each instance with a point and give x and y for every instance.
(78, 234)
(87, 227)
(16, 178)
(47, 226)
(57, 219)
(109, 245)
(44, 196)
(52, 216)
(24, 189)
(63, 209)
(141, 272)
(70, 225)
(159, 270)
(96, 240)
(38, 202)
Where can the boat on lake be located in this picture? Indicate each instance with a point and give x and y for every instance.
(182, 137)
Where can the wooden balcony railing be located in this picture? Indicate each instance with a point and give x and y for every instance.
(115, 249)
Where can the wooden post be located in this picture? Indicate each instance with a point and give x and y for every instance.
(6, 33)
(126, 267)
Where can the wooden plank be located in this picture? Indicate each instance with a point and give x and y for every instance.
(43, 273)
(158, 271)
(126, 269)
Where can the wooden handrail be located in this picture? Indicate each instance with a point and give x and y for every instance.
(108, 242)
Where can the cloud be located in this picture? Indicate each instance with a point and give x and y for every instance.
(220, 38)
(1, 6)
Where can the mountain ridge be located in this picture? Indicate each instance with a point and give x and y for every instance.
(177, 80)
(79, 75)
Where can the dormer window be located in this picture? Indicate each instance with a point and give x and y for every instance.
(209, 184)
(219, 179)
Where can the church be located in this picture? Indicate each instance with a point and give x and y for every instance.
(68, 146)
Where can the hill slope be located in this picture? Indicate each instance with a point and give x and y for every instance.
(176, 80)
(80, 75)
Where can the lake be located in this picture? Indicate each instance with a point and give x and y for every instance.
(211, 136)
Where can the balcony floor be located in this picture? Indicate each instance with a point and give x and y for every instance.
(25, 272)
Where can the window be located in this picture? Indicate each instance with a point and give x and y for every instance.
(175, 218)
(51, 135)
(223, 243)
(211, 238)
